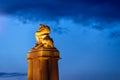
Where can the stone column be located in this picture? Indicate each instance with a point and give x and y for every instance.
(36, 69)
(43, 70)
(43, 58)
(53, 65)
(43, 64)
(30, 69)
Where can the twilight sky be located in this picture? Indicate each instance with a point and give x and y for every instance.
(86, 32)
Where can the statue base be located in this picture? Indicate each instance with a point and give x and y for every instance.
(43, 64)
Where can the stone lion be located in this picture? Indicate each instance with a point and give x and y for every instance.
(43, 38)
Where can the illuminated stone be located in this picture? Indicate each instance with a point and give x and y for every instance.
(43, 58)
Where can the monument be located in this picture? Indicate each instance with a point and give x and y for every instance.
(43, 58)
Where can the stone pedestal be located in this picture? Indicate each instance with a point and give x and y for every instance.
(43, 64)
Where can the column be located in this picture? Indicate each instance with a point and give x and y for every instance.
(53, 65)
(30, 69)
(36, 69)
(44, 71)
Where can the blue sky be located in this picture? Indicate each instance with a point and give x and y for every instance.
(86, 32)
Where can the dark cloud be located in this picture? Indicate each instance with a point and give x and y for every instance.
(98, 27)
(60, 30)
(4, 75)
(83, 12)
(115, 34)
(78, 10)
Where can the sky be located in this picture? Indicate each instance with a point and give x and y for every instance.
(86, 33)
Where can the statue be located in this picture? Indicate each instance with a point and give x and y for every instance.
(43, 58)
(42, 37)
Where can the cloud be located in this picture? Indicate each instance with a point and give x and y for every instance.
(115, 34)
(78, 10)
(5, 75)
(98, 14)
